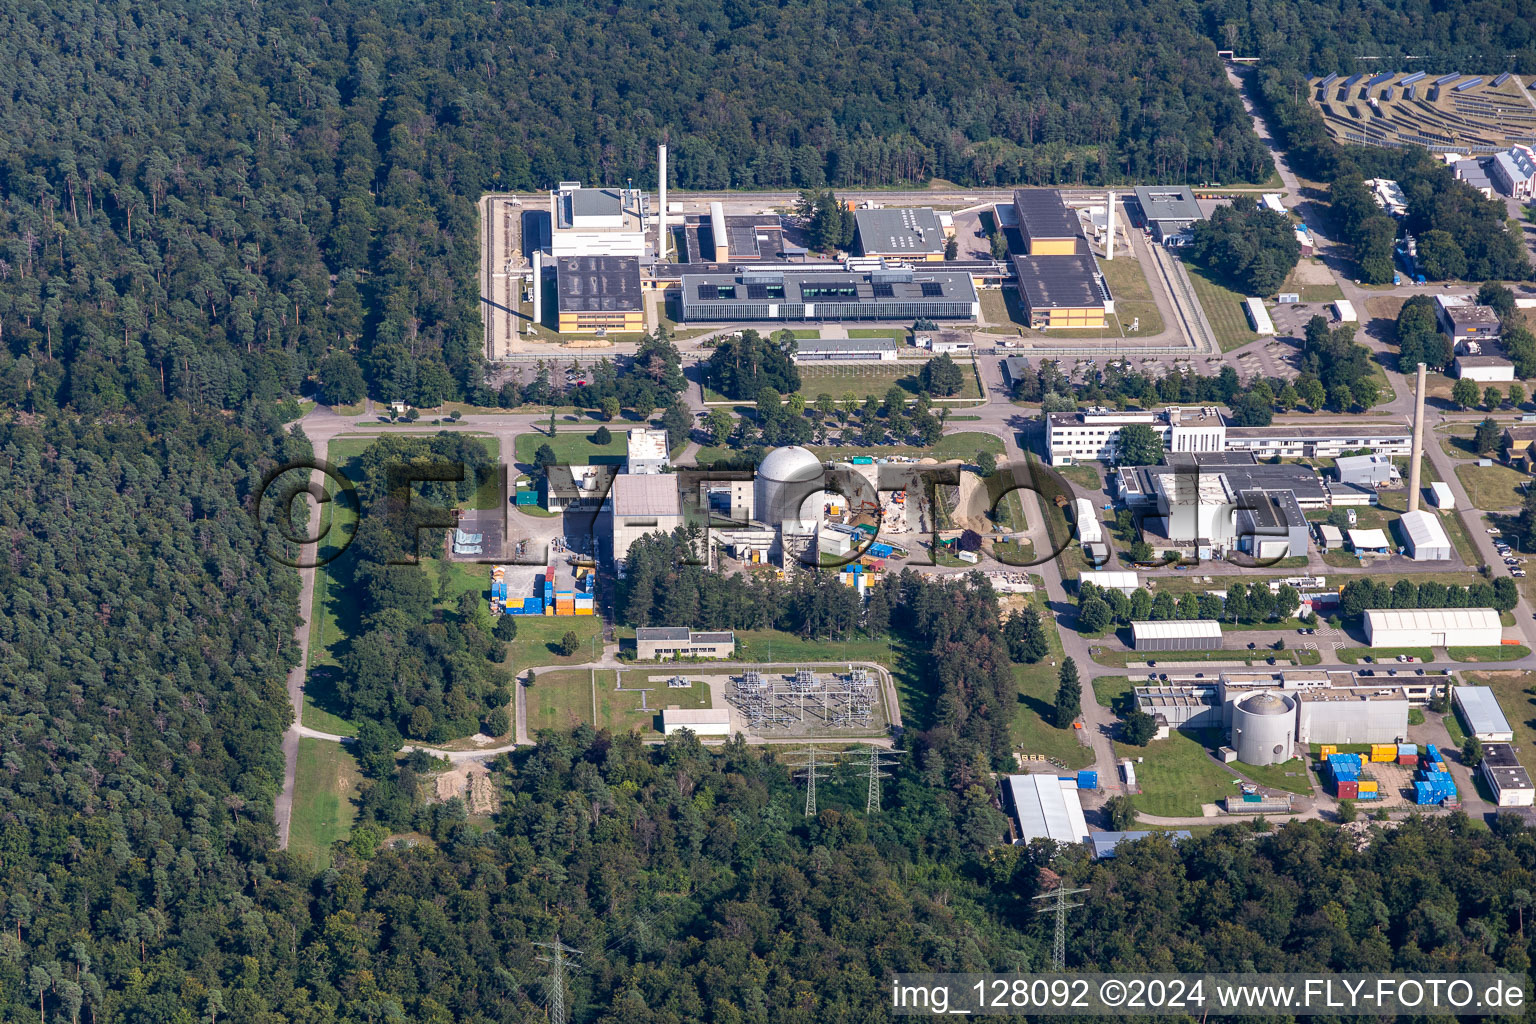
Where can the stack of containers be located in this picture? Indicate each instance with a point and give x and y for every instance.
(549, 590)
(1346, 775)
(1369, 789)
(1381, 753)
(879, 550)
(1434, 788)
(1408, 754)
(1432, 761)
(1328, 750)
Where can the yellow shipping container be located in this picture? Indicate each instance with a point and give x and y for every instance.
(583, 611)
(1382, 752)
(1368, 786)
(549, 610)
(1328, 750)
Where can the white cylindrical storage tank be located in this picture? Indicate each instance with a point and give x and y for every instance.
(1264, 728)
(785, 479)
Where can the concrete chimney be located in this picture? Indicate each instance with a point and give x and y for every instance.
(661, 201)
(1418, 443)
(538, 286)
(1109, 229)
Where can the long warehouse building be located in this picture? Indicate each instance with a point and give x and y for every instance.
(1176, 635)
(1433, 627)
(878, 294)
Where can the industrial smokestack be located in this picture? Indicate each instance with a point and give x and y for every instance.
(1418, 443)
(538, 286)
(661, 201)
(1109, 230)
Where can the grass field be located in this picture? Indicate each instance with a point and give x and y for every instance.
(1113, 692)
(1516, 694)
(864, 379)
(1453, 727)
(1504, 652)
(1086, 477)
(535, 634)
(1127, 280)
(323, 788)
(1493, 488)
(1223, 308)
(1290, 776)
(1177, 775)
(565, 698)
(574, 447)
(1034, 731)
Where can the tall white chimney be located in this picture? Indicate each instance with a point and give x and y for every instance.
(1109, 229)
(1418, 443)
(538, 286)
(661, 202)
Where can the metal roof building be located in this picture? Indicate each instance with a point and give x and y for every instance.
(886, 293)
(1048, 227)
(1506, 776)
(1167, 209)
(699, 721)
(1424, 537)
(1110, 579)
(599, 293)
(857, 349)
(1481, 713)
(1061, 291)
(1046, 807)
(1176, 635)
(1433, 627)
(1104, 843)
(911, 233)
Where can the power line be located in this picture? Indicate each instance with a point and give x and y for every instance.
(873, 772)
(1060, 908)
(558, 962)
(809, 769)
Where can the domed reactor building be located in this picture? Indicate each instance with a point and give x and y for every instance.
(1264, 728)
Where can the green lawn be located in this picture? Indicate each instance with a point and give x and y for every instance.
(574, 447)
(1034, 731)
(1113, 692)
(1127, 280)
(771, 645)
(1290, 776)
(564, 699)
(1086, 477)
(1493, 488)
(535, 634)
(1223, 308)
(323, 788)
(864, 379)
(1516, 694)
(1453, 727)
(1504, 652)
(1177, 775)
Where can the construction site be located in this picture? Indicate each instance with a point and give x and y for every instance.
(1445, 113)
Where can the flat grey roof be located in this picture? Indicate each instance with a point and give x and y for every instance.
(1168, 202)
(1059, 282)
(913, 230)
(648, 494)
(1481, 709)
(1471, 315)
(812, 346)
(835, 285)
(590, 284)
(1014, 367)
(1301, 481)
(653, 633)
(1271, 510)
(1043, 214)
(1500, 762)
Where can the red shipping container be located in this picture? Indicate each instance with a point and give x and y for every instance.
(1411, 760)
(1349, 789)
(549, 573)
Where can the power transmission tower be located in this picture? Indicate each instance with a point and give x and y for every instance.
(558, 963)
(1060, 908)
(809, 769)
(872, 770)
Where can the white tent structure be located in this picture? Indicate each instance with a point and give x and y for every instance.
(1046, 807)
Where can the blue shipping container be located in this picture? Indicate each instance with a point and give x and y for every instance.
(880, 550)
(1087, 780)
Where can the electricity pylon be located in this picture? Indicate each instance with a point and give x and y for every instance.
(1060, 908)
(872, 770)
(558, 962)
(809, 769)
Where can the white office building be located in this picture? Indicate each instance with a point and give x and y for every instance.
(1094, 434)
(595, 221)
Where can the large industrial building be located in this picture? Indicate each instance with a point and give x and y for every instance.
(1271, 525)
(1367, 470)
(1461, 319)
(657, 642)
(1433, 627)
(1046, 807)
(641, 504)
(595, 221)
(1319, 440)
(599, 294)
(1168, 211)
(1048, 227)
(1223, 502)
(1424, 539)
(783, 294)
(912, 233)
(1481, 714)
(1514, 172)
(1269, 715)
(847, 350)
(1506, 776)
(1176, 635)
(1062, 291)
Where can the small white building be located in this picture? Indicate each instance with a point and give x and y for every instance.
(1506, 776)
(1424, 537)
(1433, 627)
(1345, 310)
(1111, 579)
(1372, 542)
(699, 721)
(1440, 494)
(648, 451)
(1481, 714)
(1514, 172)
(1258, 317)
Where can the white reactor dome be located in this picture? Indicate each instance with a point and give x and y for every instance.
(1264, 728)
(786, 477)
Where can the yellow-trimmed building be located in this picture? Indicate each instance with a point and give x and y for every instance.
(1047, 226)
(1519, 445)
(599, 294)
(1061, 291)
